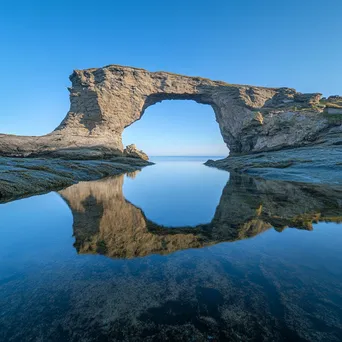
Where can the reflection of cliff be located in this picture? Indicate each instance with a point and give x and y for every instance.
(104, 222)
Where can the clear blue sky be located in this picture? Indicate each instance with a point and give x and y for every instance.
(270, 43)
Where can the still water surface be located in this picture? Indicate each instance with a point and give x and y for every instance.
(178, 251)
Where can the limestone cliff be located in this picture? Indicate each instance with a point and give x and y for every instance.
(103, 101)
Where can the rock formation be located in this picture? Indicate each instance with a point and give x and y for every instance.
(106, 100)
(132, 151)
(106, 223)
(24, 177)
(333, 105)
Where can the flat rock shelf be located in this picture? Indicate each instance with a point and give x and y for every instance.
(21, 177)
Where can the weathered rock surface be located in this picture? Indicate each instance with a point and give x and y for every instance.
(311, 164)
(20, 177)
(132, 151)
(106, 223)
(333, 105)
(106, 100)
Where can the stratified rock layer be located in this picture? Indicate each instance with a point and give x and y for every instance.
(21, 177)
(106, 100)
(311, 164)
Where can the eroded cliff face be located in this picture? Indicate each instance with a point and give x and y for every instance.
(106, 223)
(106, 100)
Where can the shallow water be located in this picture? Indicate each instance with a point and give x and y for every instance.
(178, 251)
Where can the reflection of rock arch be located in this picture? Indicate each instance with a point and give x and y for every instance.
(114, 226)
(132, 174)
(104, 222)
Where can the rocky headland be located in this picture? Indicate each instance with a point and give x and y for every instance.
(104, 101)
(273, 132)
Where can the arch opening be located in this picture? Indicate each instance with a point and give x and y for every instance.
(182, 126)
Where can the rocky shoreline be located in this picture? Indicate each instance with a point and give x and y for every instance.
(23, 177)
(315, 164)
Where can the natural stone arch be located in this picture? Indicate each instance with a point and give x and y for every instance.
(156, 116)
(107, 100)
(104, 101)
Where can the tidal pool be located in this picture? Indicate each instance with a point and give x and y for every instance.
(178, 251)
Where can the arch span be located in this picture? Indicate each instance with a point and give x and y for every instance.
(103, 101)
(175, 128)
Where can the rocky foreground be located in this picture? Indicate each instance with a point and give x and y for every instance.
(313, 164)
(20, 177)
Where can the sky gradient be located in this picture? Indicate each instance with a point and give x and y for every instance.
(267, 43)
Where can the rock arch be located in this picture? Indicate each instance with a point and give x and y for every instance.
(103, 101)
(185, 125)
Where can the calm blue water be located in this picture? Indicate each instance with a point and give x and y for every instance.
(177, 252)
(177, 191)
